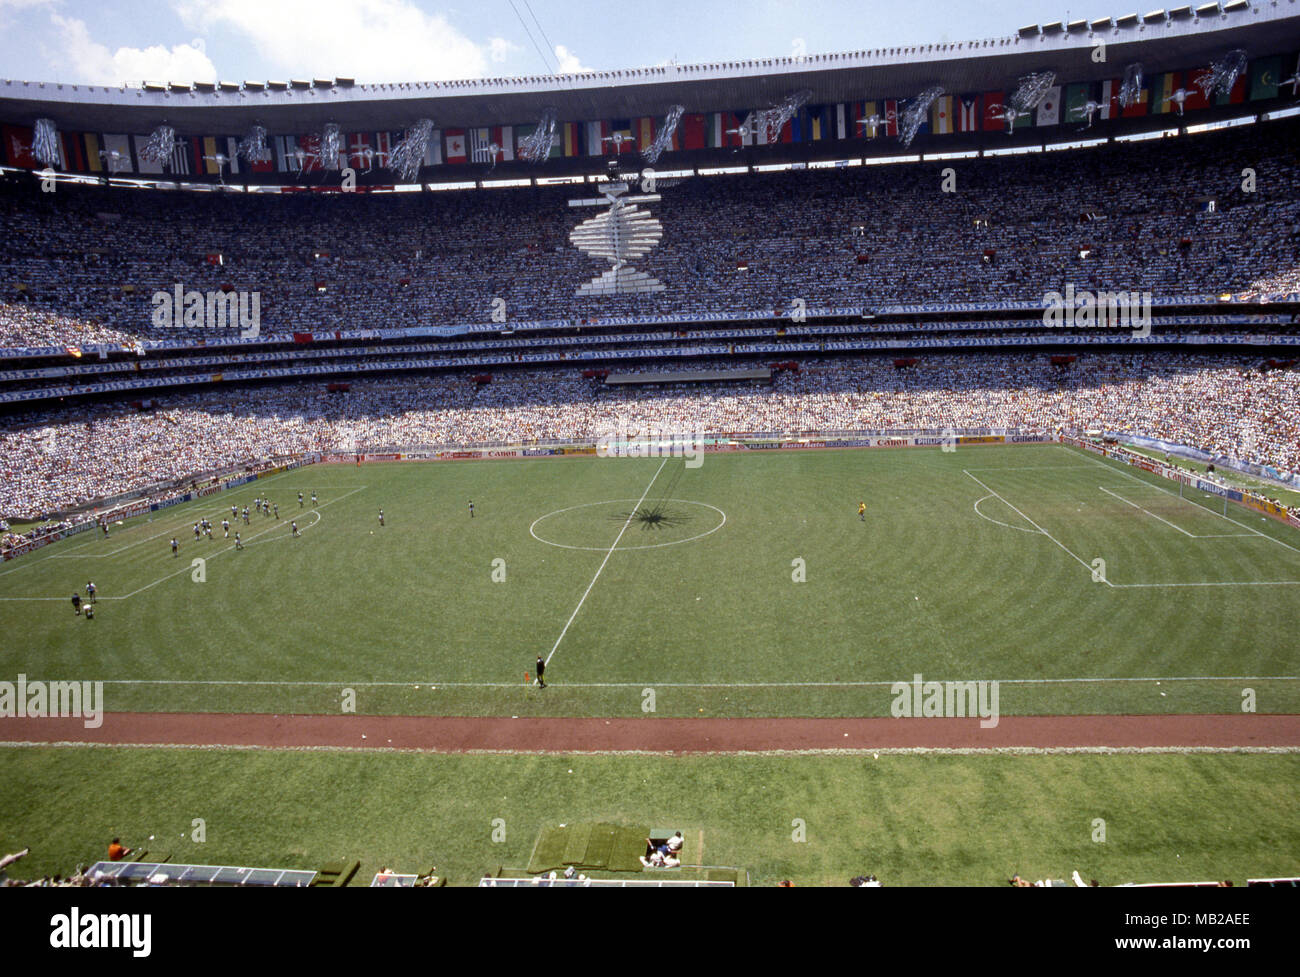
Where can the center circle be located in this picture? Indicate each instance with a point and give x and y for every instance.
(663, 517)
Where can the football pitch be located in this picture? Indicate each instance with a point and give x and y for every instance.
(746, 586)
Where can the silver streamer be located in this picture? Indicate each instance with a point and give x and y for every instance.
(771, 121)
(1223, 74)
(45, 142)
(330, 142)
(536, 146)
(664, 137)
(1130, 89)
(1032, 90)
(917, 109)
(253, 147)
(408, 155)
(160, 145)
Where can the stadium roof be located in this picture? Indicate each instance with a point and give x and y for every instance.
(1162, 39)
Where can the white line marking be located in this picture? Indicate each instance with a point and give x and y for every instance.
(434, 686)
(1151, 514)
(1158, 488)
(210, 555)
(1087, 566)
(999, 522)
(650, 546)
(831, 751)
(630, 516)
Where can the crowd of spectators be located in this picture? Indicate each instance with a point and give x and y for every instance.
(54, 460)
(1170, 217)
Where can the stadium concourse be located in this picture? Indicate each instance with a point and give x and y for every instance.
(1169, 217)
(55, 460)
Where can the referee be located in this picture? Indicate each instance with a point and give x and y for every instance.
(541, 670)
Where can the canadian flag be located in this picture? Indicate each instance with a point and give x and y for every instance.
(455, 146)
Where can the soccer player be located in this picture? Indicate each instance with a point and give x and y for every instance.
(295, 527)
(76, 604)
(225, 528)
(381, 517)
(245, 515)
(299, 500)
(196, 530)
(239, 543)
(90, 612)
(234, 512)
(175, 546)
(471, 508)
(541, 671)
(276, 507)
(862, 511)
(90, 591)
(313, 498)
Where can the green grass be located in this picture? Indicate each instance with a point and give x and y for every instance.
(917, 820)
(410, 616)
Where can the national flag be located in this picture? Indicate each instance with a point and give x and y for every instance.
(143, 165)
(618, 127)
(233, 162)
(310, 146)
(1196, 98)
(993, 104)
(1236, 95)
(645, 132)
(714, 134)
(596, 133)
(523, 132)
(1163, 87)
(1076, 99)
(481, 140)
(891, 117)
(456, 145)
(819, 125)
(968, 113)
(1049, 109)
(90, 146)
(72, 153)
(694, 131)
(573, 138)
(211, 166)
(384, 143)
(18, 147)
(841, 121)
(433, 148)
(941, 115)
(355, 145)
(1139, 106)
(1265, 74)
(1108, 99)
(117, 158)
(181, 161)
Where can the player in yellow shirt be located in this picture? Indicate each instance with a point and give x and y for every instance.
(862, 511)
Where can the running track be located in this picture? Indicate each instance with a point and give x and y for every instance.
(673, 736)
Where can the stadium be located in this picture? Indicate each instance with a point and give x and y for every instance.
(856, 466)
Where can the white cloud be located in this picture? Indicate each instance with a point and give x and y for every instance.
(77, 58)
(370, 40)
(569, 62)
(499, 49)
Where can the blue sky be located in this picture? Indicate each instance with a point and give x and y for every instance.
(117, 41)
